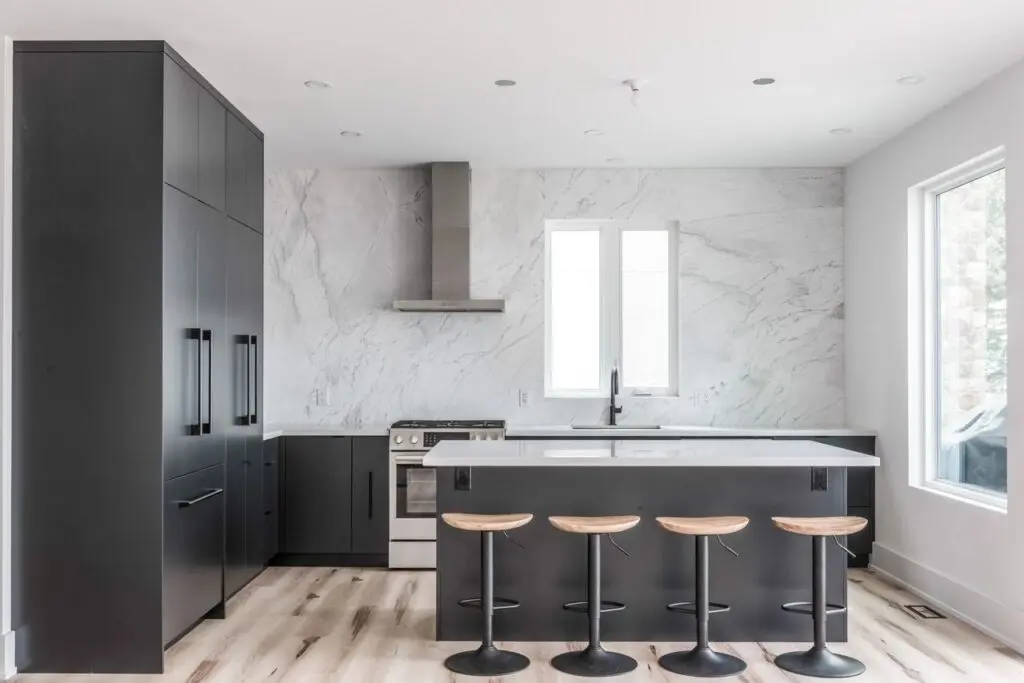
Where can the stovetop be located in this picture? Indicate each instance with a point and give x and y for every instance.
(449, 424)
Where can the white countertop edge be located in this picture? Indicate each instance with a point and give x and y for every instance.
(682, 453)
(670, 431)
(274, 431)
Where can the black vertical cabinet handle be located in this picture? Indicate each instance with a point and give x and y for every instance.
(255, 379)
(196, 334)
(369, 505)
(248, 379)
(207, 338)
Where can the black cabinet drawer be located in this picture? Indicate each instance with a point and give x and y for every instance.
(193, 548)
(860, 487)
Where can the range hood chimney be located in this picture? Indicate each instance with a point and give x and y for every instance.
(450, 228)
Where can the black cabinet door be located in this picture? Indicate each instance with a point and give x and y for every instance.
(253, 181)
(370, 494)
(182, 343)
(255, 533)
(271, 493)
(244, 174)
(181, 129)
(193, 548)
(213, 346)
(317, 500)
(212, 150)
(236, 572)
(235, 190)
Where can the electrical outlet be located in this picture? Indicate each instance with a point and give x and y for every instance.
(323, 397)
(524, 398)
(463, 479)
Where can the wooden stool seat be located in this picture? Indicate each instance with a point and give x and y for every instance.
(466, 521)
(821, 526)
(703, 526)
(594, 525)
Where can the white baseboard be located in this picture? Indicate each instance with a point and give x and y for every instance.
(7, 668)
(992, 618)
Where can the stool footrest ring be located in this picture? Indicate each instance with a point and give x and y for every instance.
(583, 606)
(808, 608)
(499, 603)
(691, 607)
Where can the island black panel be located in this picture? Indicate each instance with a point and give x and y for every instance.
(774, 566)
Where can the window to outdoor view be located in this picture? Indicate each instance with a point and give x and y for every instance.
(969, 332)
(610, 303)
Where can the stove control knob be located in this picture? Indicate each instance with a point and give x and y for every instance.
(490, 437)
(399, 439)
(414, 439)
(474, 437)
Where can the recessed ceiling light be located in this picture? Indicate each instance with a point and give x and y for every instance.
(504, 82)
(763, 81)
(351, 134)
(910, 80)
(593, 131)
(614, 160)
(841, 131)
(318, 85)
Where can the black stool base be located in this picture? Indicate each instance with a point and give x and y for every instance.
(486, 661)
(594, 662)
(820, 662)
(702, 663)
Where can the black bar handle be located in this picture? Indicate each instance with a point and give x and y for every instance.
(369, 505)
(255, 379)
(207, 338)
(199, 499)
(196, 334)
(248, 379)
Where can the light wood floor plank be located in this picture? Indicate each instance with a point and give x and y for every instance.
(323, 625)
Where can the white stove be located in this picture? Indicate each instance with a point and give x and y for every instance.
(413, 497)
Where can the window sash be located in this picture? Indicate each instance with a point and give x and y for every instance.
(611, 307)
(925, 333)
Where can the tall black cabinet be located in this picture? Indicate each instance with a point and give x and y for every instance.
(138, 348)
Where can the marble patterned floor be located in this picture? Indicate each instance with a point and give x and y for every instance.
(320, 625)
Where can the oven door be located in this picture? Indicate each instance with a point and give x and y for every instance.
(413, 498)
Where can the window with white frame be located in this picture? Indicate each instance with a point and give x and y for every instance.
(963, 297)
(610, 294)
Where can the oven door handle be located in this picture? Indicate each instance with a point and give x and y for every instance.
(408, 459)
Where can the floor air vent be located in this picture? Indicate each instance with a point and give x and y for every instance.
(923, 612)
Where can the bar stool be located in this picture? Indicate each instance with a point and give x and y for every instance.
(702, 661)
(819, 661)
(487, 660)
(594, 661)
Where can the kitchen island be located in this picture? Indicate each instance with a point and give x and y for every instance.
(688, 477)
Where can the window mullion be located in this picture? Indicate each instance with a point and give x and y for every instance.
(609, 303)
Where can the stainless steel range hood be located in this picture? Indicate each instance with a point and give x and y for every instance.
(450, 228)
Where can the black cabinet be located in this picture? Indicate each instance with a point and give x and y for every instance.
(243, 328)
(334, 500)
(129, 311)
(181, 128)
(244, 175)
(212, 150)
(317, 495)
(271, 496)
(369, 495)
(193, 548)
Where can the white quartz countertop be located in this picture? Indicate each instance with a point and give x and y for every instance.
(274, 431)
(678, 432)
(683, 453)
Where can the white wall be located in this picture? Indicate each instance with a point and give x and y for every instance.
(6, 635)
(760, 296)
(967, 557)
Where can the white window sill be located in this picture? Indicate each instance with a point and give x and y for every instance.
(966, 494)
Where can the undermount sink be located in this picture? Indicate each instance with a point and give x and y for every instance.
(628, 427)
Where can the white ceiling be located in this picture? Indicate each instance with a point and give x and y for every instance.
(416, 76)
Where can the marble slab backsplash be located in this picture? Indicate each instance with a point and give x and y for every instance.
(760, 296)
